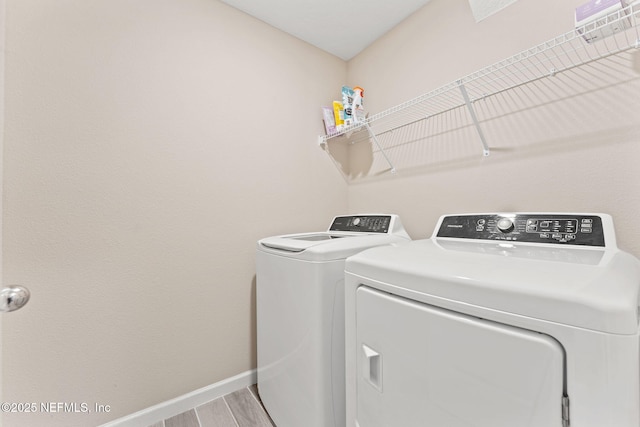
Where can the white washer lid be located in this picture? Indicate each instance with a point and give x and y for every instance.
(299, 242)
(590, 288)
(324, 246)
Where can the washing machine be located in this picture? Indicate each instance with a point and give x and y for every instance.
(300, 317)
(497, 320)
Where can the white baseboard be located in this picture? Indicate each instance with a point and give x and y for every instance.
(161, 411)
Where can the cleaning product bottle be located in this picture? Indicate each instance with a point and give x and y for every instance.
(347, 103)
(357, 106)
(338, 112)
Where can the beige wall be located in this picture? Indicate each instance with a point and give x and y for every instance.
(148, 145)
(574, 149)
(2, 54)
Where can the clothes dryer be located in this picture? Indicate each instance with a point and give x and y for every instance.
(498, 320)
(300, 317)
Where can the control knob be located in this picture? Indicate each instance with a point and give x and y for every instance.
(357, 222)
(505, 225)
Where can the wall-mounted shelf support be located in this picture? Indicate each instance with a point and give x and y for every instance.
(375, 139)
(472, 113)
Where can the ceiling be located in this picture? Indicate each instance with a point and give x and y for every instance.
(341, 27)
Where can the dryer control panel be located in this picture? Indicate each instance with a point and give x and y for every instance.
(362, 223)
(566, 229)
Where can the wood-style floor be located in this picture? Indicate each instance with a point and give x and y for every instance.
(241, 408)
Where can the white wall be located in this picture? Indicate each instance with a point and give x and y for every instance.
(148, 145)
(567, 153)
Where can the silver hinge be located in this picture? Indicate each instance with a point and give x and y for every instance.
(565, 412)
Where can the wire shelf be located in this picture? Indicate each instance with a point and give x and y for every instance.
(605, 37)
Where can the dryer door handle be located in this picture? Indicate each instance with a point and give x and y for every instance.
(372, 367)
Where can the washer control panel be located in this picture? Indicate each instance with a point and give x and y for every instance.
(362, 223)
(569, 229)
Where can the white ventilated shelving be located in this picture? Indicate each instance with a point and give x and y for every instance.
(552, 58)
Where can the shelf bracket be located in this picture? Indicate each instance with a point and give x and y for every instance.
(467, 101)
(375, 139)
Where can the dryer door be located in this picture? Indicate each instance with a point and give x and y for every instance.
(419, 365)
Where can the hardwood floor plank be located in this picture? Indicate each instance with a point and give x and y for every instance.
(185, 419)
(215, 414)
(254, 390)
(246, 410)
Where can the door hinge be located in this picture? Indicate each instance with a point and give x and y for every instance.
(565, 412)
